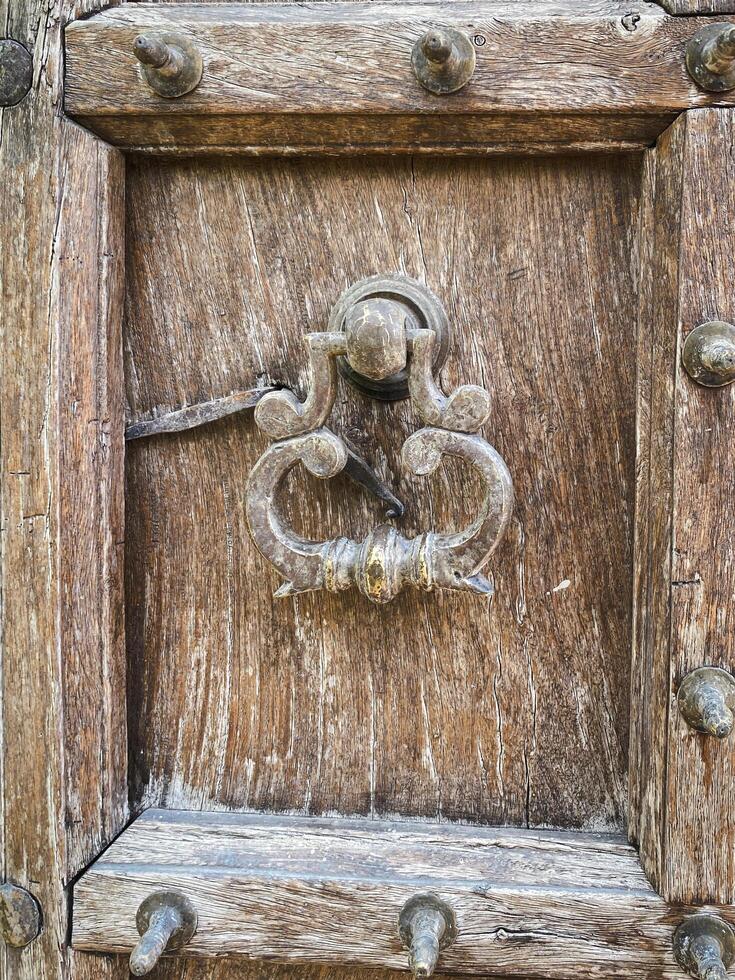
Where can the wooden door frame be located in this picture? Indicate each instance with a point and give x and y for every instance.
(64, 746)
(64, 752)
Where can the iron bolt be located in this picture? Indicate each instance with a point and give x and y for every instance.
(437, 46)
(426, 925)
(711, 57)
(165, 920)
(443, 60)
(151, 51)
(706, 700)
(709, 354)
(170, 63)
(704, 947)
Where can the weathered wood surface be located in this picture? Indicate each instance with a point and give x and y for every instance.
(683, 783)
(434, 706)
(62, 736)
(529, 8)
(525, 902)
(534, 134)
(337, 77)
(698, 6)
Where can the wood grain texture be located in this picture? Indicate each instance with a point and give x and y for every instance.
(530, 8)
(434, 706)
(683, 784)
(63, 736)
(336, 77)
(296, 134)
(525, 902)
(698, 6)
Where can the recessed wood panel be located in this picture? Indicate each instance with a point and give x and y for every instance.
(439, 706)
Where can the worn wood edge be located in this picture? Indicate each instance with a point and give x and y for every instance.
(258, 910)
(368, 11)
(293, 135)
(517, 148)
(63, 792)
(281, 103)
(688, 8)
(90, 236)
(329, 9)
(660, 236)
(195, 837)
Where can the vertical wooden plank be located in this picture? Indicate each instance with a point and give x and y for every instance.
(682, 783)
(658, 291)
(63, 737)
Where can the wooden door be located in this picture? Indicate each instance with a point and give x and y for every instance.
(298, 769)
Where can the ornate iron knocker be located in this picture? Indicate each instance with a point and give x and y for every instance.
(390, 335)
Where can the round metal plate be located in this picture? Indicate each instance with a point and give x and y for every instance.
(16, 72)
(423, 312)
(20, 916)
(160, 900)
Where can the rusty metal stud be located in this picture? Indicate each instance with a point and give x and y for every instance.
(704, 947)
(412, 303)
(443, 60)
(706, 701)
(711, 57)
(169, 63)
(20, 916)
(426, 926)
(709, 354)
(165, 921)
(16, 72)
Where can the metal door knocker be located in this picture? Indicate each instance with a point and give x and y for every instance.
(392, 334)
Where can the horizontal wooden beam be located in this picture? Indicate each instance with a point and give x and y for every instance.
(698, 6)
(337, 77)
(312, 890)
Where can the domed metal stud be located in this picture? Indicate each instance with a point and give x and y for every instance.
(443, 60)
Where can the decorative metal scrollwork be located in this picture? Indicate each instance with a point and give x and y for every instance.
(382, 334)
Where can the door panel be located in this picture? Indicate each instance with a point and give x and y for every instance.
(434, 706)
